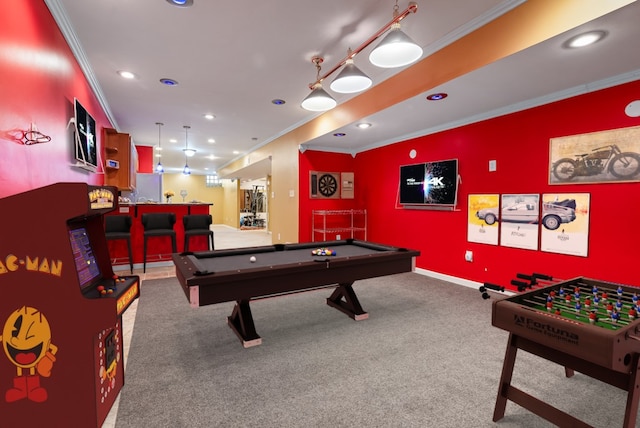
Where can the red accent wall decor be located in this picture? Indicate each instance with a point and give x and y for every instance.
(519, 143)
(41, 78)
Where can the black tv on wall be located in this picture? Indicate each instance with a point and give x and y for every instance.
(86, 146)
(429, 183)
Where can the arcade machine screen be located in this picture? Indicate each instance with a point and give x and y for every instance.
(86, 264)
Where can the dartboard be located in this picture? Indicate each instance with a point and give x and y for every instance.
(327, 185)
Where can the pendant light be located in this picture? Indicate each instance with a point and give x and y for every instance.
(396, 49)
(187, 170)
(159, 167)
(351, 79)
(318, 99)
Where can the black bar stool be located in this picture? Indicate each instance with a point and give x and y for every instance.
(157, 225)
(197, 224)
(119, 227)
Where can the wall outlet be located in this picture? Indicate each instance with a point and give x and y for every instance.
(468, 256)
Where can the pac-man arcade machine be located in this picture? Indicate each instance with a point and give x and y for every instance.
(61, 354)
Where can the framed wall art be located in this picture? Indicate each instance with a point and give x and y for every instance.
(597, 157)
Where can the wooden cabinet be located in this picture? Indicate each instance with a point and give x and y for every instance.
(121, 160)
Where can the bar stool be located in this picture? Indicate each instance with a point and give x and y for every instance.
(157, 225)
(197, 224)
(119, 227)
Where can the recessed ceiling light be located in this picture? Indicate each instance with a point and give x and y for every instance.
(437, 97)
(209, 116)
(168, 82)
(339, 134)
(158, 148)
(235, 152)
(158, 155)
(585, 39)
(278, 101)
(126, 74)
(211, 140)
(364, 125)
(173, 140)
(181, 3)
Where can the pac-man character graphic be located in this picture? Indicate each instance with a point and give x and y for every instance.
(26, 340)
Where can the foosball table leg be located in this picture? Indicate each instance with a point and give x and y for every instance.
(505, 378)
(631, 410)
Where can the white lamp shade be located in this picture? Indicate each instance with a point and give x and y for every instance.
(189, 152)
(395, 50)
(351, 79)
(159, 168)
(186, 170)
(318, 100)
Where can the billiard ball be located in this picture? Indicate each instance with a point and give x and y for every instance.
(252, 259)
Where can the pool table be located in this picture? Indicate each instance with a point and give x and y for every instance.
(246, 274)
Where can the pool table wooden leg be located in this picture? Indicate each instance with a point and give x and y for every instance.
(241, 322)
(345, 300)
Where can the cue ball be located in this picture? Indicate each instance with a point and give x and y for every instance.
(252, 259)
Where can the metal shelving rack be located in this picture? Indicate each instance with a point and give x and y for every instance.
(349, 222)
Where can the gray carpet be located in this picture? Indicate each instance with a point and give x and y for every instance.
(426, 357)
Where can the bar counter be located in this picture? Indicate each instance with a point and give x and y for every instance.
(158, 249)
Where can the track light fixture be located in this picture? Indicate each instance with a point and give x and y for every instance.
(395, 50)
(351, 79)
(159, 167)
(318, 99)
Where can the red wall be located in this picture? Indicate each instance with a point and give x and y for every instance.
(519, 143)
(145, 160)
(40, 78)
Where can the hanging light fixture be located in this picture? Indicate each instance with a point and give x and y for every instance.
(318, 99)
(186, 150)
(159, 167)
(396, 49)
(351, 79)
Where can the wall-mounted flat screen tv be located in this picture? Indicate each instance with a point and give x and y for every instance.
(429, 183)
(86, 146)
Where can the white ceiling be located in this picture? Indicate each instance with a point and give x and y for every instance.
(231, 59)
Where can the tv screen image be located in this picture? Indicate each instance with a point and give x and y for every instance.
(429, 183)
(86, 263)
(86, 145)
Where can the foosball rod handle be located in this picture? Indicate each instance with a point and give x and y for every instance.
(532, 279)
(520, 284)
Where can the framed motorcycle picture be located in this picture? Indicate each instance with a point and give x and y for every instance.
(598, 157)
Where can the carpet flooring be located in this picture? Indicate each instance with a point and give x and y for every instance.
(426, 357)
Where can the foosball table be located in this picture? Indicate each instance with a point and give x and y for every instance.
(583, 324)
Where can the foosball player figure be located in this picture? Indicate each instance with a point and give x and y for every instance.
(634, 298)
(605, 296)
(549, 305)
(633, 313)
(609, 308)
(594, 290)
(615, 315)
(561, 291)
(593, 317)
(596, 300)
(552, 293)
(619, 305)
(578, 306)
(619, 291)
(567, 299)
(558, 312)
(587, 303)
(576, 292)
